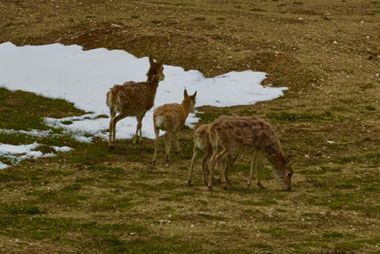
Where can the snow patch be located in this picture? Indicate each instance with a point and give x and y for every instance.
(17, 153)
(84, 77)
(79, 136)
(3, 166)
(33, 132)
(62, 148)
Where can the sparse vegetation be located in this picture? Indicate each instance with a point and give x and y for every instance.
(91, 200)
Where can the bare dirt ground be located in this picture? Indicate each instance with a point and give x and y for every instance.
(93, 200)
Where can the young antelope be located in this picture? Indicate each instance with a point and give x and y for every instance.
(171, 118)
(202, 144)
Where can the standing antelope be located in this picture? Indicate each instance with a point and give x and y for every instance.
(171, 118)
(202, 143)
(133, 99)
(232, 134)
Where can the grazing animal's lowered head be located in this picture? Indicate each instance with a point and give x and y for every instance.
(284, 172)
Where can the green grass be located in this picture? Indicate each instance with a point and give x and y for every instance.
(22, 210)
(209, 116)
(284, 117)
(93, 199)
(33, 109)
(277, 232)
(332, 235)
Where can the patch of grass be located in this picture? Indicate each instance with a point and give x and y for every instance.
(373, 210)
(346, 184)
(209, 116)
(177, 195)
(370, 108)
(68, 196)
(105, 237)
(348, 200)
(101, 116)
(212, 217)
(111, 204)
(276, 232)
(156, 22)
(257, 10)
(68, 122)
(339, 108)
(108, 172)
(27, 109)
(248, 112)
(199, 18)
(332, 235)
(372, 156)
(349, 246)
(52, 140)
(23, 210)
(89, 154)
(267, 201)
(283, 117)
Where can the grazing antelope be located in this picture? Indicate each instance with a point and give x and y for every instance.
(202, 143)
(133, 99)
(233, 134)
(171, 118)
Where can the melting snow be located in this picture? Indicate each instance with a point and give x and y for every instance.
(17, 153)
(48, 133)
(84, 77)
(33, 132)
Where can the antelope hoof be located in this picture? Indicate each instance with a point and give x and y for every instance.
(167, 159)
(111, 147)
(210, 188)
(189, 183)
(225, 186)
(153, 163)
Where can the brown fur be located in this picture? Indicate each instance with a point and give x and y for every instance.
(133, 99)
(202, 143)
(234, 134)
(171, 118)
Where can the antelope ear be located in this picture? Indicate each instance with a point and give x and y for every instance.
(151, 60)
(185, 94)
(194, 95)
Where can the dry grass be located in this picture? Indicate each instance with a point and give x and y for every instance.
(93, 200)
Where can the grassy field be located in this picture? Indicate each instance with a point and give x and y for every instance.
(92, 200)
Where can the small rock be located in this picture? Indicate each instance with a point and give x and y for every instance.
(115, 26)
